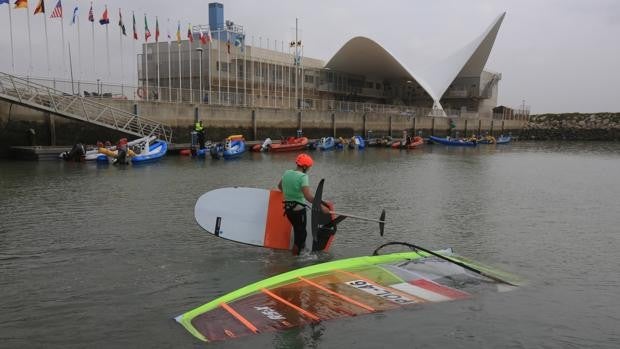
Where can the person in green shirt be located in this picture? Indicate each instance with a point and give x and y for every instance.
(296, 189)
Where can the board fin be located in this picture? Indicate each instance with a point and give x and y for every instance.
(316, 211)
(321, 223)
(218, 223)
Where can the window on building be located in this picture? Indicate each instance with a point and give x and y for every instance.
(369, 84)
(309, 79)
(378, 86)
(222, 65)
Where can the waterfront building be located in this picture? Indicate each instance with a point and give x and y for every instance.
(236, 69)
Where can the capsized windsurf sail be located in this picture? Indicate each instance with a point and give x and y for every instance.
(339, 289)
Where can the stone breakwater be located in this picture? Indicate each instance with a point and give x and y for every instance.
(573, 126)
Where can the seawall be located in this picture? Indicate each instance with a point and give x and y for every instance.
(220, 121)
(573, 126)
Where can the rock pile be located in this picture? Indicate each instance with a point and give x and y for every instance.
(574, 126)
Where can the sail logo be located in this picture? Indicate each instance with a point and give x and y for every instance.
(380, 292)
(270, 313)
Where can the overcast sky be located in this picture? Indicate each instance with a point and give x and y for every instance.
(557, 55)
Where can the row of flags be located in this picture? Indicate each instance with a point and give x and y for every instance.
(203, 36)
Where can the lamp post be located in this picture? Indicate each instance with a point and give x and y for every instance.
(201, 96)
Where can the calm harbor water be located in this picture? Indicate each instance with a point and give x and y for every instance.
(105, 257)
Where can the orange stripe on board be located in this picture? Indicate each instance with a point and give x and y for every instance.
(343, 297)
(282, 300)
(277, 227)
(401, 293)
(239, 317)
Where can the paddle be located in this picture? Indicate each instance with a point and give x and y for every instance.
(459, 263)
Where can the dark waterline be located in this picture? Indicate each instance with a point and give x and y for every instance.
(95, 256)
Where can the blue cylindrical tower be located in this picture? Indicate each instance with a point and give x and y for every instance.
(216, 16)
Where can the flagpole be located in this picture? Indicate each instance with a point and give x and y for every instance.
(245, 73)
(282, 101)
(169, 75)
(296, 64)
(133, 54)
(260, 73)
(11, 33)
(274, 70)
(158, 76)
(169, 64)
(289, 78)
(135, 81)
(253, 71)
(237, 77)
(272, 66)
(180, 86)
(228, 67)
(120, 40)
(29, 41)
(157, 44)
(79, 48)
(92, 27)
(268, 77)
(303, 77)
(158, 73)
(145, 53)
(71, 71)
(191, 77)
(275, 75)
(62, 35)
(47, 45)
(209, 59)
(219, 68)
(107, 44)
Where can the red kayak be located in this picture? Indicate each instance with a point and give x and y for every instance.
(290, 144)
(415, 142)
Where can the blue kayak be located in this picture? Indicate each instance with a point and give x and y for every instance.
(357, 142)
(234, 149)
(156, 151)
(452, 142)
(327, 143)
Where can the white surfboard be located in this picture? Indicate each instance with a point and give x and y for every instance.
(251, 216)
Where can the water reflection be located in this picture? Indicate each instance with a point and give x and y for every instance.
(107, 256)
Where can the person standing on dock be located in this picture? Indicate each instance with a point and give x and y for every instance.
(200, 131)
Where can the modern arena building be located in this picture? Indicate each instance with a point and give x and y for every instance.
(361, 76)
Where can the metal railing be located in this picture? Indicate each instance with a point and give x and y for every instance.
(521, 113)
(75, 106)
(278, 97)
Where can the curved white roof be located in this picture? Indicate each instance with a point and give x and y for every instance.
(363, 56)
